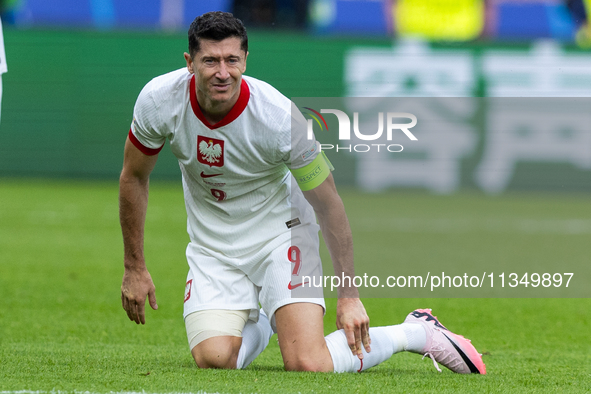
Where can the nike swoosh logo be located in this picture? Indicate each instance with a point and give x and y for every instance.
(290, 287)
(466, 359)
(204, 175)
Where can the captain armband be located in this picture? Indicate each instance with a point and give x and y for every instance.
(313, 174)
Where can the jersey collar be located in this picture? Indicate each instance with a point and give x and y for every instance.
(234, 113)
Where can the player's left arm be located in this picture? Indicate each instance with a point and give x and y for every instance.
(351, 314)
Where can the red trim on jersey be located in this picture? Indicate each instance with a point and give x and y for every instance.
(235, 112)
(144, 149)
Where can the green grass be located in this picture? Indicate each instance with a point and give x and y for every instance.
(62, 326)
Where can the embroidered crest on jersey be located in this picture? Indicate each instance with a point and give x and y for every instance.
(188, 290)
(210, 151)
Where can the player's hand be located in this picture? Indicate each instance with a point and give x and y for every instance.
(351, 317)
(136, 286)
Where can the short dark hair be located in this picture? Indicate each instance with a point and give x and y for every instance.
(216, 26)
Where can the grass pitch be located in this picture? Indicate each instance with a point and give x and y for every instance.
(62, 326)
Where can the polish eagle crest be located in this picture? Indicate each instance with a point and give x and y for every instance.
(210, 152)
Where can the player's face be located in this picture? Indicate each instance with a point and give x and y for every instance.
(218, 68)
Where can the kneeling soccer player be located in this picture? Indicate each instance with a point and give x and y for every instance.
(238, 141)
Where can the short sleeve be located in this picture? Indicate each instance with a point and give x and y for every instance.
(147, 130)
(302, 148)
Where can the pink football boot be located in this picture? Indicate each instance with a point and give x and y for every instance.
(450, 350)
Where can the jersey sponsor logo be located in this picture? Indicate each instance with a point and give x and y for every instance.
(210, 151)
(188, 290)
(291, 287)
(204, 175)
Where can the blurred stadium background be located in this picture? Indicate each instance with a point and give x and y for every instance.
(76, 67)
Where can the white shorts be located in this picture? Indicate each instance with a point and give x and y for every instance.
(216, 281)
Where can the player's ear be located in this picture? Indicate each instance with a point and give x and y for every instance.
(189, 62)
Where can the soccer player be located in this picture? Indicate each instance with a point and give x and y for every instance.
(3, 67)
(238, 142)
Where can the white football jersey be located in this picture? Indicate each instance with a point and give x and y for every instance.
(237, 186)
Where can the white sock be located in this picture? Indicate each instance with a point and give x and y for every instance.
(385, 341)
(255, 338)
(415, 336)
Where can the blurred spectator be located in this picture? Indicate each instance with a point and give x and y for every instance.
(7, 8)
(579, 10)
(291, 14)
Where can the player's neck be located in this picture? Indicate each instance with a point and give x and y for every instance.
(215, 111)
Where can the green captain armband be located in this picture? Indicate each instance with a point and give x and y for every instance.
(313, 174)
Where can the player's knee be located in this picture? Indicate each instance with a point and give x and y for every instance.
(219, 360)
(215, 337)
(304, 363)
(217, 352)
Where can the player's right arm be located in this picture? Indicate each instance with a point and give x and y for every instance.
(133, 202)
